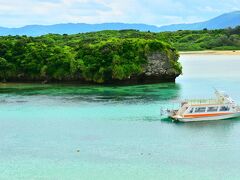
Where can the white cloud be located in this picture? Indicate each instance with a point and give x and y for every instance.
(18, 13)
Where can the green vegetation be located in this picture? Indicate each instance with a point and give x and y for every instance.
(101, 56)
(93, 57)
(223, 39)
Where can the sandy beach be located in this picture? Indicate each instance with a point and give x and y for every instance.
(232, 52)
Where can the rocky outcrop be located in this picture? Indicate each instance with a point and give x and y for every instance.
(162, 67)
(109, 61)
(160, 64)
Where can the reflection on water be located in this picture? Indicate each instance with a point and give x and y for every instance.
(80, 93)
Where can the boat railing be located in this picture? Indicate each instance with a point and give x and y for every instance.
(203, 101)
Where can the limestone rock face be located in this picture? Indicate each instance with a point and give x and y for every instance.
(162, 65)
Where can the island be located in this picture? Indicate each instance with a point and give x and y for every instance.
(101, 57)
(107, 57)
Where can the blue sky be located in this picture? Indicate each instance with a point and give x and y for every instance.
(16, 13)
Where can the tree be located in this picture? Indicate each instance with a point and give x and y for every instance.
(4, 68)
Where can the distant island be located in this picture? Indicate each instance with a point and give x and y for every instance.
(199, 40)
(223, 21)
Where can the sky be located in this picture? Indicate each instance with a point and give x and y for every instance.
(17, 13)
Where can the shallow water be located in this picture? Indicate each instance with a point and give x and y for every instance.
(96, 132)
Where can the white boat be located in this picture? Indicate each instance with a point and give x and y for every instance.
(223, 107)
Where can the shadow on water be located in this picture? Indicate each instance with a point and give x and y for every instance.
(75, 93)
(167, 120)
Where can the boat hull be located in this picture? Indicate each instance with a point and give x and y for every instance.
(207, 118)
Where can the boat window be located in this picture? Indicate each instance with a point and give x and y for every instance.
(200, 109)
(224, 108)
(191, 110)
(212, 109)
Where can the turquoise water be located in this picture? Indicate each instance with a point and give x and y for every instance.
(94, 132)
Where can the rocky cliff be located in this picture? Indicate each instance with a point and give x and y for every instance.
(162, 66)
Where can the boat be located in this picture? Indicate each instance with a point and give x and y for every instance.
(220, 108)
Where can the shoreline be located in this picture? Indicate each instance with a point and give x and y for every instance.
(211, 52)
(85, 83)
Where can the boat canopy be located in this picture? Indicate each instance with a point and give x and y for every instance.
(221, 98)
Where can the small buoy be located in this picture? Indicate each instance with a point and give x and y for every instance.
(78, 150)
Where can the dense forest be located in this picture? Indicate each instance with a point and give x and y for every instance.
(96, 57)
(100, 56)
(222, 39)
(182, 40)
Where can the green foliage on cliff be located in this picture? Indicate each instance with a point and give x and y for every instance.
(96, 57)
